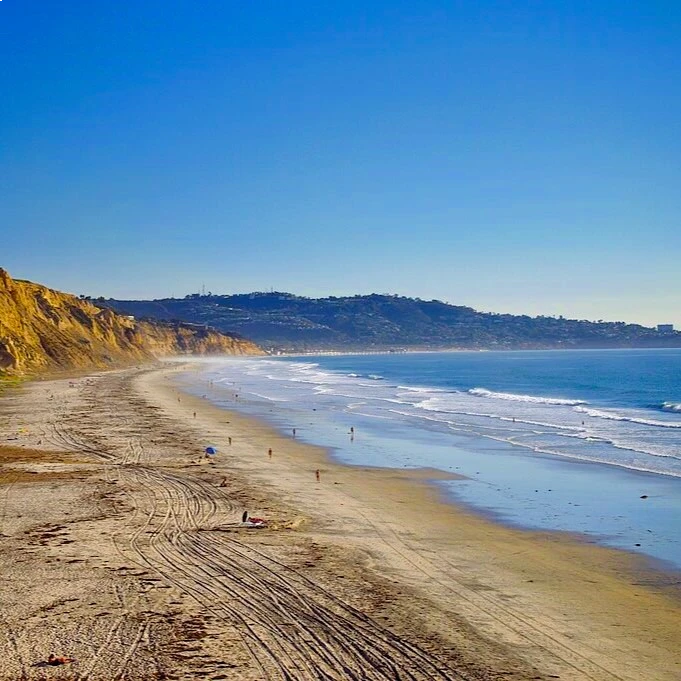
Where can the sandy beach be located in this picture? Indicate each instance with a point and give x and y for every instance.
(121, 546)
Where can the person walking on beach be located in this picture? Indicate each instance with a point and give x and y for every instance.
(269, 452)
(229, 439)
(294, 432)
(317, 475)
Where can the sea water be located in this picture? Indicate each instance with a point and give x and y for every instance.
(578, 441)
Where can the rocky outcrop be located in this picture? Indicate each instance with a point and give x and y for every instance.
(42, 329)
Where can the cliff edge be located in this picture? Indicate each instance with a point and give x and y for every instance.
(42, 329)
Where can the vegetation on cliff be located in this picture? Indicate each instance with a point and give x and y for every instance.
(286, 321)
(42, 329)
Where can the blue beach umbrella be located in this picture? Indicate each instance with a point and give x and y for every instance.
(211, 450)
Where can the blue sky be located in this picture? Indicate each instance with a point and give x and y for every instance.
(513, 156)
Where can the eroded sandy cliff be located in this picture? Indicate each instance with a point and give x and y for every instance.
(42, 329)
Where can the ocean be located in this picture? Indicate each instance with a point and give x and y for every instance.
(587, 442)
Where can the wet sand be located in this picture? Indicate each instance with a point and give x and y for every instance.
(120, 547)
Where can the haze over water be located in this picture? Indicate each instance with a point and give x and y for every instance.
(560, 440)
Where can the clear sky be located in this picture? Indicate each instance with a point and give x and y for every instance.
(513, 156)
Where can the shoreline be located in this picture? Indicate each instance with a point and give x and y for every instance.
(656, 569)
(667, 570)
(623, 501)
(607, 563)
(478, 600)
(565, 483)
(406, 351)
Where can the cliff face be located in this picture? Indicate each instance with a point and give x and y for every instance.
(42, 329)
(180, 338)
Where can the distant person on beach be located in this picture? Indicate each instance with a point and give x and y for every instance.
(317, 475)
(194, 414)
(269, 453)
(229, 439)
(294, 432)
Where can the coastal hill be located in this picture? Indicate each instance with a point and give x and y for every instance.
(42, 329)
(283, 321)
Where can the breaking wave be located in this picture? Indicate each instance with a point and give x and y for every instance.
(616, 416)
(511, 397)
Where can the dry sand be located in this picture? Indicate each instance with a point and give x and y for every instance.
(120, 547)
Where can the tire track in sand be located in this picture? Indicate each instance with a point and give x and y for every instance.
(297, 628)
(292, 628)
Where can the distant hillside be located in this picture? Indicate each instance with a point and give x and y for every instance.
(288, 322)
(42, 329)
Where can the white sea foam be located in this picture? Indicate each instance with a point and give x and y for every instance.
(270, 398)
(635, 465)
(455, 406)
(414, 389)
(317, 377)
(628, 438)
(483, 392)
(617, 416)
(438, 406)
(648, 451)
